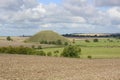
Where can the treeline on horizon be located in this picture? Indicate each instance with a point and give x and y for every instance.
(116, 35)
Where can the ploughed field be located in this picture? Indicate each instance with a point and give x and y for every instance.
(29, 67)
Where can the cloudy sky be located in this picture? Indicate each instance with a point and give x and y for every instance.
(18, 17)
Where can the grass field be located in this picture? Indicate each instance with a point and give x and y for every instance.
(104, 48)
(95, 52)
(104, 42)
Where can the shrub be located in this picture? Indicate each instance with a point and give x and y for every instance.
(41, 53)
(90, 57)
(16, 50)
(59, 42)
(23, 50)
(95, 40)
(53, 42)
(43, 42)
(57, 51)
(49, 54)
(33, 46)
(71, 51)
(73, 41)
(66, 43)
(3, 49)
(39, 47)
(87, 40)
(56, 55)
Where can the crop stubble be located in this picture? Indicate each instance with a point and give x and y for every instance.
(28, 67)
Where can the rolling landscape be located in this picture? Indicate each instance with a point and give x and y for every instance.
(98, 60)
(59, 39)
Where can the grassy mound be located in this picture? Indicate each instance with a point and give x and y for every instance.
(48, 36)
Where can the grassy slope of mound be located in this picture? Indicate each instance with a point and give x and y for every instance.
(47, 36)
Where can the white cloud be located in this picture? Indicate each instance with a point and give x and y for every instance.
(114, 12)
(107, 2)
(70, 15)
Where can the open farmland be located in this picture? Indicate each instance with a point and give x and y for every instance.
(24, 67)
(102, 42)
(19, 41)
(95, 52)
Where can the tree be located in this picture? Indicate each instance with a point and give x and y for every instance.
(9, 38)
(71, 51)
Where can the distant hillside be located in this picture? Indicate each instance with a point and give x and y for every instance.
(48, 36)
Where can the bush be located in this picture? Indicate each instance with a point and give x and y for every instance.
(95, 40)
(39, 47)
(16, 50)
(33, 46)
(49, 54)
(71, 51)
(87, 40)
(43, 42)
(73, 41)
(59, 42)
(90, 57)
(41, 53)
(55, 55)
(23, 50)
(57, 51)
(66, 43)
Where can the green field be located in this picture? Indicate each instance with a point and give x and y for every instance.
(95, 52)
(104, 48)
(111, 42)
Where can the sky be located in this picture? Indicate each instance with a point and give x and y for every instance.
(27, 17)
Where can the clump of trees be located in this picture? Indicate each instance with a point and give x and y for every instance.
(58, 42)
(71, 51)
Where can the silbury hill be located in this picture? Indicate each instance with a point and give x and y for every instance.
(48, 37)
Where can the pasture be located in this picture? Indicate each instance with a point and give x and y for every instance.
(102, 42)
(104, 48)
(95, 52)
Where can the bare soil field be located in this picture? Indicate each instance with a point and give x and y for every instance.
(28, 67)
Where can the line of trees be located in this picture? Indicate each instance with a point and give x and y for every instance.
(58, 42)
(117, 35)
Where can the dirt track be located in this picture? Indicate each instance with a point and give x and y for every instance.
(23, 67)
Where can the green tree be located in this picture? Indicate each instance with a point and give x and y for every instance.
(9, 38)
(71, 51)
